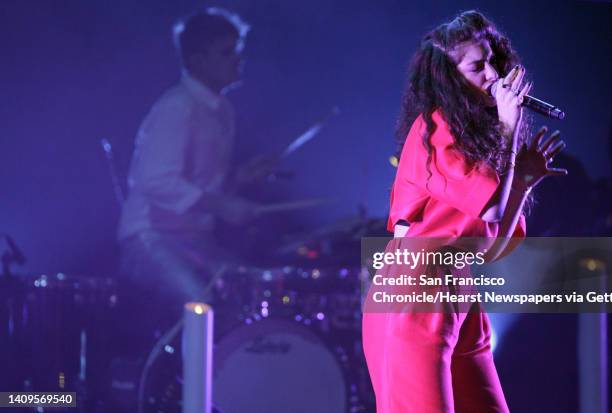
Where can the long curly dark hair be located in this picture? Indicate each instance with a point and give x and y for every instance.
(435, 83)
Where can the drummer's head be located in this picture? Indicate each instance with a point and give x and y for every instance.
(210, 45)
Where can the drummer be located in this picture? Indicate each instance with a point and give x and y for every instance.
(179, 174)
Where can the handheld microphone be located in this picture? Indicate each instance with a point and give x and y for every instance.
(536, 105)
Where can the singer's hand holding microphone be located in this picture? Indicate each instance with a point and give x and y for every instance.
(509, 98)
(533, 159)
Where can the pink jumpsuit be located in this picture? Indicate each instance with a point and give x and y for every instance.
(439, 362)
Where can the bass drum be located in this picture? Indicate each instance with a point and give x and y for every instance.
(276, 366)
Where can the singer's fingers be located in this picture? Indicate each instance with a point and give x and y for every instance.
(535, 142)
(556, 172)
(553, 138)
(555, 150)
(518, 79)
(526, 89)
(507, 82)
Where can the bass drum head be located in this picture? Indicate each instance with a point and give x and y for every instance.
(276, 366)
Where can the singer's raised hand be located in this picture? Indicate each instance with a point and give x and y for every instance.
(509, 95)
(532, 161)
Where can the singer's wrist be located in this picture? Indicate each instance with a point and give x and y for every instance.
(521, 185)
(507, 131)
(523, 190)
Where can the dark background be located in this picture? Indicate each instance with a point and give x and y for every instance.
(74, 72)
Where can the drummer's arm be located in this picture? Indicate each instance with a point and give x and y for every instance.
(230, 208)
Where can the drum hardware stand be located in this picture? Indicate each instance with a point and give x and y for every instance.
(13, 255)
(592, 351)
(81, 385)
(157, 349)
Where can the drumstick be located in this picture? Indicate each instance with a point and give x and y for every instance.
(309, 134)
(108, 154)
(288, 206)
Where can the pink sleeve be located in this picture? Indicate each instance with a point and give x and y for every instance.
(453, 181)
(517, 237)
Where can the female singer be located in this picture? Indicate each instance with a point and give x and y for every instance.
(465, 170)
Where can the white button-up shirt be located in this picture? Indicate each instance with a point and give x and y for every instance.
(183, 149)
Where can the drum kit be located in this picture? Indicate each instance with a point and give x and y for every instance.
(292, 343)
(287, 339)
